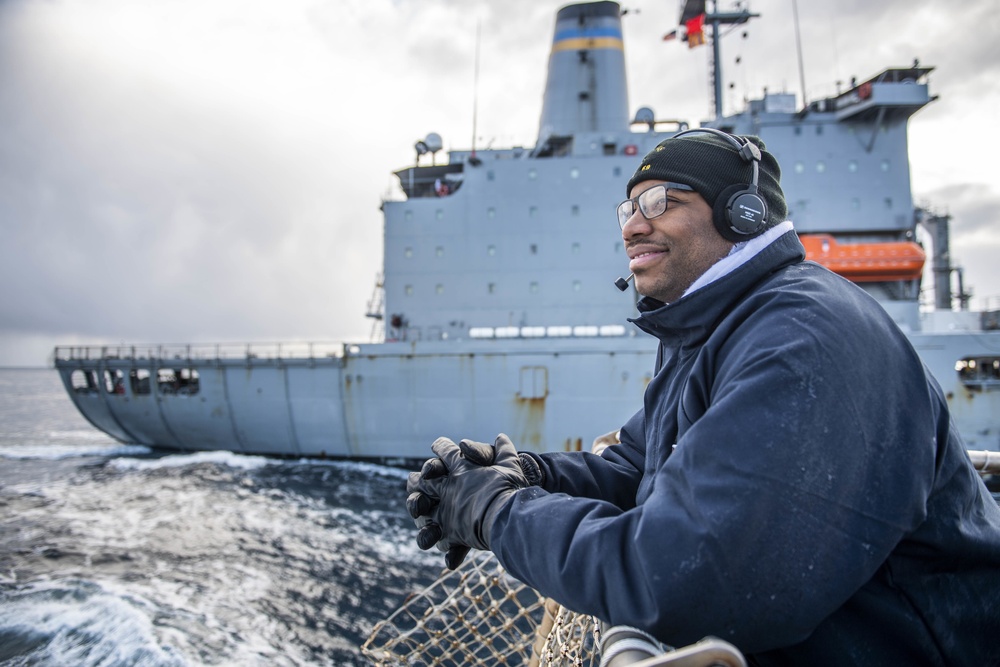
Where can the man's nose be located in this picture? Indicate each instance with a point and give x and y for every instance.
(636, 225)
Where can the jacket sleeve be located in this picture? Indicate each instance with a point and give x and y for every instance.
(781, 499)
(613, 476)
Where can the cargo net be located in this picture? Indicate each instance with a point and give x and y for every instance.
(480, 615)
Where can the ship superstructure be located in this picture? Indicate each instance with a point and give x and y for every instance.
(497, 301)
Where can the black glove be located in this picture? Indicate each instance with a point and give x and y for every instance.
(461, 491)
(483, 455)
(420, 505)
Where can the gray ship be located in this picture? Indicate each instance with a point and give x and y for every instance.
(497, 310)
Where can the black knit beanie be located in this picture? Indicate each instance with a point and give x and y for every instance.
(710, 164)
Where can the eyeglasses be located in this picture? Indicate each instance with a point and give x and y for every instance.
(651, 202)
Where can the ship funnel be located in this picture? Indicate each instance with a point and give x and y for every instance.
(586, 89)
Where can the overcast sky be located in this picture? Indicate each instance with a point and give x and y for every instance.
(211, 170)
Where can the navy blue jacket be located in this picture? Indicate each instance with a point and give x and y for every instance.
(793, 484)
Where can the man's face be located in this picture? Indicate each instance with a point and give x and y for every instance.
(672, 250)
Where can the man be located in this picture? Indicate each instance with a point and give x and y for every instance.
(793, 483)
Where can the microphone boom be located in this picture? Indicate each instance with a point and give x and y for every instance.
(622, 283)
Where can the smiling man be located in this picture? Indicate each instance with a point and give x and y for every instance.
(792, 483)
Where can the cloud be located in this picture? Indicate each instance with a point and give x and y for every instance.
(212, 171)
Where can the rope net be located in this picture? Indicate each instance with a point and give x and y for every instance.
(480, 615)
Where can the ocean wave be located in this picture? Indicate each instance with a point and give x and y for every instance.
(230, 459)
(56, 452)
(360, 466)
(76, 622)
(245, 462)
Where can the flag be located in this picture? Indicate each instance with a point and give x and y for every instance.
(670, 35)
(695, 31)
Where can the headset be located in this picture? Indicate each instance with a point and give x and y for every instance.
(739, 212)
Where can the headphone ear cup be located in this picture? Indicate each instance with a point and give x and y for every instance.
(739, 213)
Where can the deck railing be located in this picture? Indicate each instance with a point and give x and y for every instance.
(201, 352)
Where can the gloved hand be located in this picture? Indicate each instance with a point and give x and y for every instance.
(420, 505)
(454, 499)
(483, 455)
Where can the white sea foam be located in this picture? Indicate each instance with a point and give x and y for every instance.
(230, 459)
(361, 466)
(76, 622)
(55, 452)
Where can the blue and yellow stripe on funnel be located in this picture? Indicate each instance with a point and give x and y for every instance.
(576, 39)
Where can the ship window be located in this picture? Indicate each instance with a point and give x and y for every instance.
(533, 248)
(574, 173)
(139, 379)
(439, 288)
(852, 166)
(799, 167)
(114, 382)
(408, 290)
(533, 287)
(532, 174)
(610, 149)
(885, 165)
(84, 382)
(439, 251)
(491, 250)
(439, 214)
(408, 252)
(820, 167)
(491, 212)
(979, 372)
(178, 381)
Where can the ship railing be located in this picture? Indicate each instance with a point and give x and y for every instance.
(201, 352)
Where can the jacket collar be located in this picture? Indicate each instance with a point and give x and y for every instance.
(694, 315)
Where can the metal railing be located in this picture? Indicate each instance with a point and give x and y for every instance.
(201, 352)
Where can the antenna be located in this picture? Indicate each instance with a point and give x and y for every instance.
(475, 90)
(798, 48)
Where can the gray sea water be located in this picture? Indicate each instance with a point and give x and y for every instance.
(118, 555)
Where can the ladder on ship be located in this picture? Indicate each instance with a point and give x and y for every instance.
(376, 308)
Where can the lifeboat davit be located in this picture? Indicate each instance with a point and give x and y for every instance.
(866, 262)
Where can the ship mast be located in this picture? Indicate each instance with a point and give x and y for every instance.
(693, 9)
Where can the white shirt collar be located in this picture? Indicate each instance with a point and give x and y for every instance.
(741, 253)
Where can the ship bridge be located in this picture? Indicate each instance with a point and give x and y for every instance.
(894, 94)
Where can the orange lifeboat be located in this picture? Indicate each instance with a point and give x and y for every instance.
(866, 262)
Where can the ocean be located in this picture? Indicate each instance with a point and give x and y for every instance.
(113, 554)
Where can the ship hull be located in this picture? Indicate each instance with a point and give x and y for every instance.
(380, 401)
(391, 400)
